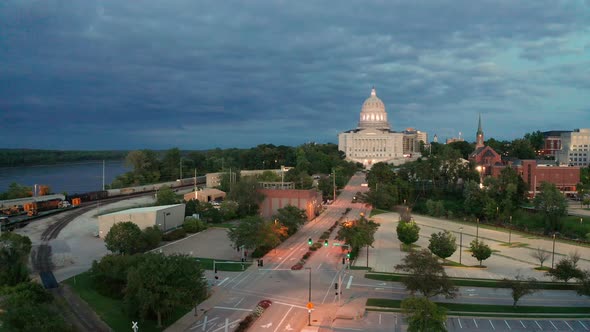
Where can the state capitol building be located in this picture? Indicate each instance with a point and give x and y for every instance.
(373, 140)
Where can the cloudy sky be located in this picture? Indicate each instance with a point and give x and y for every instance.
(199, 74)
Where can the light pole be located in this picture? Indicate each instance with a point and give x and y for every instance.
(460, 243)
(309, 298)
(334, 183)
(477, 230)
(581, 220)
(510, 231)
(553, 254)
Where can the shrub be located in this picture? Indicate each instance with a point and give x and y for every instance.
(152, 236)
(176, 234)
(260, 252)
(297, 266)
(307, 254)
(193, 225)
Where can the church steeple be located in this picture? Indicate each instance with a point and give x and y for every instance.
(479, 137)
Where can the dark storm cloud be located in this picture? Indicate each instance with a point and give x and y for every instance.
(124, 74)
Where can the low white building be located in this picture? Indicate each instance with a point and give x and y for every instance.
(166, 217)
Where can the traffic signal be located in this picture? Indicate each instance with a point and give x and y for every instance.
(325, 243)
(343, 260)
(336, 286)
(260, 262)
(215, 269)
(348, 254)
(309, 241)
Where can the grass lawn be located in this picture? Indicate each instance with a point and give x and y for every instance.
(542, 268)
(486, 308)
(112, 311)
(468, 282)
(222, 265)
(515, 245)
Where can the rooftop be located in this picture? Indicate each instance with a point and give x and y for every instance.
(144, 209)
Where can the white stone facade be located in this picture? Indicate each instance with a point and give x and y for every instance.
(373, 141)
(575, 148)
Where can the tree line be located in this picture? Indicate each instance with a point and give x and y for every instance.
(31, 157)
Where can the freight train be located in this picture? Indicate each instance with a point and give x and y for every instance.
(103, 194)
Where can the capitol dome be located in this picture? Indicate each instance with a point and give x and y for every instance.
(373, 113)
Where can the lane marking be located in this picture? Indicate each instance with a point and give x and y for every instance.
(507, 324)
(291, 305)
(240, 301)
(284, 316)
(201, 324)
(539, 325)
(224, 326)
(475, 322)
(460, 325)
(492, 324)
(349, 282)
(230, 308)
(379, 319)
(319, 266)
(583, 325)
(521, 323)
(224, 280)
(204, 324)
(556, 329)
(568, 325)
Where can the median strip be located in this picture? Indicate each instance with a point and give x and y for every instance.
(487, 310)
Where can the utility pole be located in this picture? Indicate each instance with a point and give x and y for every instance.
(195, 180)
(103, 175)
(334, 182)
(180, 163)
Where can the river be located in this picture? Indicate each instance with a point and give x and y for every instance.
(70, 178)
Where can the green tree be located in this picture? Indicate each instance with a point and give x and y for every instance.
(551, 202)
(522, 149)
(536, 139)
(166, 196)
(152, 236)
(584, 283)
(565, 270)
(193, 225)
(124, 238)
(15, 190)
(14, 256)
(426, 275)
(520, 286)
(155, 286)
(464, 147)
(443, 244)
(358, 233)
(408, 232)
(480, 250)
(381, 173)
(291, 217)
(247, 196)
(228, 209)
(423, 315)
(582, 191)
(246, 233)
(109, 275)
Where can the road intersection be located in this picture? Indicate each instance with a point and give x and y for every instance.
(237, 293)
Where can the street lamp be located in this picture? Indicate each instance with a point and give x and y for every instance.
(510, 231)
(477, 230)
(581, 220)
(460, 243)
(309, 298)
(553, 254)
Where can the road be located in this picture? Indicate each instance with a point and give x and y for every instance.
(236, 294)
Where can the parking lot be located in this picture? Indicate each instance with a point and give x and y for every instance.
(210, 243)
(387, 321)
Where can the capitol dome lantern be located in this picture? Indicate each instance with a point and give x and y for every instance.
(373, 113)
